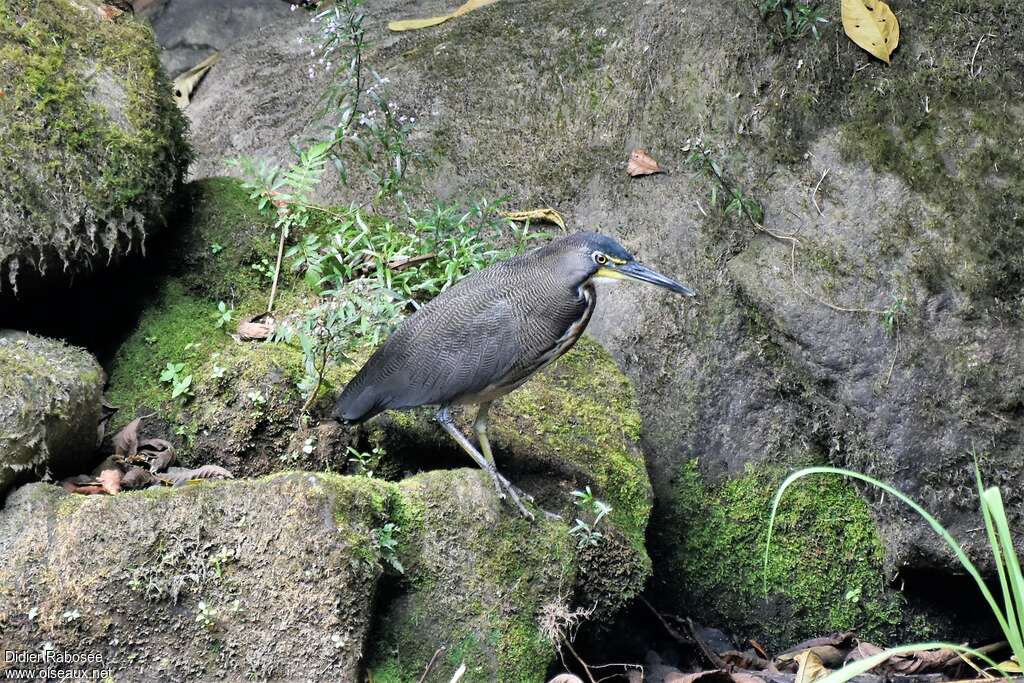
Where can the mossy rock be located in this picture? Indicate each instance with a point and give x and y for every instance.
(478, 579)
(281, 578)
(243, 407)
(92, 144)
(50, 401)
(825, 569)
(575, 424)
(265, 580)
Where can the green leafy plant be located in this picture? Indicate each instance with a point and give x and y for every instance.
(366, 461)
(894, 314)
(387, 545)
(223, 315)
(1009, 615)
(798, 17)
(585, 531)
(173, 374)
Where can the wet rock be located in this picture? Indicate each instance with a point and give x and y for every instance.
(50, 401)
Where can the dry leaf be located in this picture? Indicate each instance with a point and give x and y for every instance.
(126, 441)
(546, 214)
(158, 452)
(872, 25)
(186, 83)
(713, 676)
(411, 24)
(253, 329)
(809, 668)
(82, 484)
(180, 475)
(108, 12)
(137, 478)
(641, 163)
(110, 480)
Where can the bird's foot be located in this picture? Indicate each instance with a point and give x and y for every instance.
(518, 493)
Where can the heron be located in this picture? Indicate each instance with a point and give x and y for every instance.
(488, 334)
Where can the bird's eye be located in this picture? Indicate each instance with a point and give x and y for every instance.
(600, 259)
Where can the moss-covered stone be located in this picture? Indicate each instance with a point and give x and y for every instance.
(574, 424)
(49, 407)
(825, 568)
(92, 143)
(278, 578)
(266, 580)
(476, 581)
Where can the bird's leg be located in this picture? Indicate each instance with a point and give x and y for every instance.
(480, 427)
(502, 485)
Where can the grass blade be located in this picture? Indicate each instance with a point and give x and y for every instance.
(864, 665)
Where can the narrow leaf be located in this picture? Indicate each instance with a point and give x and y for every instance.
(412, 24)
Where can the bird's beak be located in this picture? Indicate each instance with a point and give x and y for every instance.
(633, 270)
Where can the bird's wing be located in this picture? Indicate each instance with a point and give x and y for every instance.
(465, 346)
(457, 344)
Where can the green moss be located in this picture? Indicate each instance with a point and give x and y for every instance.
(583, 412)
(71, 159)
(825, 568)
(473, 583)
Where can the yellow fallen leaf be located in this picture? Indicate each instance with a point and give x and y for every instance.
(548, 214)
(187, 82)
(872, 25)
(411, 24)
(810, 668)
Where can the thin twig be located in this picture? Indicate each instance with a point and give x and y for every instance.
(431, 663)
(459, 673)
(815, 201)
(277, 268)
(975, 55)
(896, 352)
(586, 669)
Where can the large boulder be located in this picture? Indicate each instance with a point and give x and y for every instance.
(50, 407)
(290, 577)
(92, 144)
(889, 340)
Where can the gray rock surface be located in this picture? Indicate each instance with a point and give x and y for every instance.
(188, 31)
(50, 400)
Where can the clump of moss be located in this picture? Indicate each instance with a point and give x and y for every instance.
(825, 569)
(92, 144)
(471, 583)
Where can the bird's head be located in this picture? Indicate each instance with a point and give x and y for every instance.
(599, 257)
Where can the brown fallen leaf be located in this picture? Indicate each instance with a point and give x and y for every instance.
(158, 452)
(110, 480)
(108, 12)
(713, 676)
(180, 475)
(126, 441)
(744, 660)
(546, 214)
(138, 478)
(254, 329)
(82, 484)
(410, 24)
(641, 163)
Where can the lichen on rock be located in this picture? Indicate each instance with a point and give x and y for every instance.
(92, 144)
